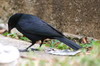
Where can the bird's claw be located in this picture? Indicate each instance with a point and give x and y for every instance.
(25, 50)
(34, 49)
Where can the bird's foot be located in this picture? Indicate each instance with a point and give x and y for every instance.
(25, 50)
(33, 49)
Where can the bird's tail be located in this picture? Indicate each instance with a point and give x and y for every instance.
(68, 42)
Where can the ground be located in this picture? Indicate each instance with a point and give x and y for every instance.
(37, 55)
(41, 58)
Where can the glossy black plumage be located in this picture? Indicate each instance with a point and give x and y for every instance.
(36, 29)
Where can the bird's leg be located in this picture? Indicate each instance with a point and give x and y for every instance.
(42, 42)
(33, 49)
(29, 47)
(26, 50)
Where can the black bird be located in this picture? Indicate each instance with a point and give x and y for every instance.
(36, 29)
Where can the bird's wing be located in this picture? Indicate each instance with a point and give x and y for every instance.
(38, 27)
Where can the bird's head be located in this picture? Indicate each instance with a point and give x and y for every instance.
(13, 20)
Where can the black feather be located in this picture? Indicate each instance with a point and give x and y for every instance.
(68, 42)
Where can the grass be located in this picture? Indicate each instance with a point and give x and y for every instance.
(56, 44)
(16, 36)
